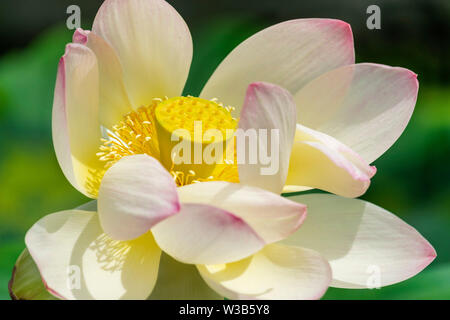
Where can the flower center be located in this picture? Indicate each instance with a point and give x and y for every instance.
(177, 129)
(193, 134)
(182, 113)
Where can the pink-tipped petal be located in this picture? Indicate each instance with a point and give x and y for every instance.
(320, 161)
(135, 194)
(270, 108)
(75, 121)
(153, 44)
(289, 54)
(77, 260)
(203, 233)
(366, 106)
(80, 36)
(277, 272)
(366, 245)
(270, 215)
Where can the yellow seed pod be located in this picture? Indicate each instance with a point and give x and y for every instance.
(191, 133)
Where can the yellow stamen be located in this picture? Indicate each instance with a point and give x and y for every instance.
(135, 134)
(112, 254)
(149, 130)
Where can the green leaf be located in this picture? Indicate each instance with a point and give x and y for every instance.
(26, 282)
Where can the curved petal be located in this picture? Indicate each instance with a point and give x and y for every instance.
(276, 272)
(270, 108)
(113, 99)
(365, 106)
(88, 206)
(271, 216)
(135, 194)
(78, 261)
(179, 281)
(153, 44)
(202, 233)
(361, 241)
(26, 282)
(320, 161)
(75, 123)
(289, 54)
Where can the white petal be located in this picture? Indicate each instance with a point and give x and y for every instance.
(75, 120)
(179, 281)
(271, 108)
(135, 194)
(276, 272)
(78, 261)
(201, 233)
(153, 44)
(88, 206)
(113, 99)
(289, 54)
(320, 161)
(271, 216)
(361, 241)
(365, 106)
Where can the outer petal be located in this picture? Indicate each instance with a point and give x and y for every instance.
(75, 123)
(26, 282)
(113, 102)
(366, 106)
(361, 240)
(179, 281)
(135, 194)
(78, 261)
(289, 54)
(320, 161)
(205, 234)
(271, 108)
(153, 44)
(271, 216)
(276, 272)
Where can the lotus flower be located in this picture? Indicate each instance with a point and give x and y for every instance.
(117, 100)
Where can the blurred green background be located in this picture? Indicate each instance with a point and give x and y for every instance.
(413, 176)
